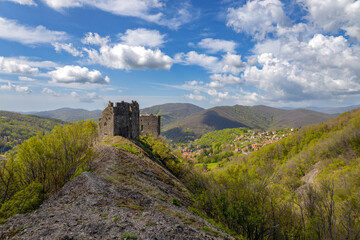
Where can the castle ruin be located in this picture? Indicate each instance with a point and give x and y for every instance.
(150, 124)
(124, 120)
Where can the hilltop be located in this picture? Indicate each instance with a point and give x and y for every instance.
(70, 114)
(253, 117)
(16, 127)
(172, 112)
(127, 195)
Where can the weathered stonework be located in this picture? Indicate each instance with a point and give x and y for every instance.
(150, 124)
(120, 120)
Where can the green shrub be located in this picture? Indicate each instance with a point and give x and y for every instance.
(126, 146)
(23, 201)
(175, 201)
(160, 150)
(43, 164)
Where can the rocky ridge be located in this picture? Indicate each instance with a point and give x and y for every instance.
(127, 196)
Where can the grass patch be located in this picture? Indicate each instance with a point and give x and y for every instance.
(128, 236)
(210, 231)
(129, 147)
(209, 166)
(115, 219)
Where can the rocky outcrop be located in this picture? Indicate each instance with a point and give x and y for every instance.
(127, 196)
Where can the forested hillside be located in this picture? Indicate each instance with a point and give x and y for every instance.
(220, 145)
(305, 186)
(15, 128)
(172, 112)
(70, 114)
(253, 117)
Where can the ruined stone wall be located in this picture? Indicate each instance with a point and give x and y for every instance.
(120, 120)
(106, 122)
(150, 124)
(135, 120)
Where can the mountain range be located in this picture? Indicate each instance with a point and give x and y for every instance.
(254, 117)
(69, 114)
(172, 112)
(181, 121)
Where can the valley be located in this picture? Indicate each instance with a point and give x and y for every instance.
(222, 145)
(293, 182)
(15, 128)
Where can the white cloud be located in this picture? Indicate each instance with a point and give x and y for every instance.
(249, 98)
(218, 96)
(215, 93)
(194, 58)
(180, 16)
(190, 86)
(196, 95)
(34, 64)
(217, 45)
(76, 74)
(95, 39)
(13, 31)
(324, 67)
(90, 97)
(230, 63)
(149, 10)
(26, 79)
(74, 94)
(216, 84)
(143, 37)
(220, 80)
(86, 97)
(49, 91)
(8, 65)
(67, 47)
(59, 4)
(257, 18)
(24, 2)
(121, 56)
(17, 88)
(335, 15)
(134, 8)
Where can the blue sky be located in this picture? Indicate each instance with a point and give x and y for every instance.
(83, 53)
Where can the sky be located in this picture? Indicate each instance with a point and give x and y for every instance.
(83, 53)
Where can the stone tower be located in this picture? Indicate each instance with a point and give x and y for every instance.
(120, 120)
(150, 123)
